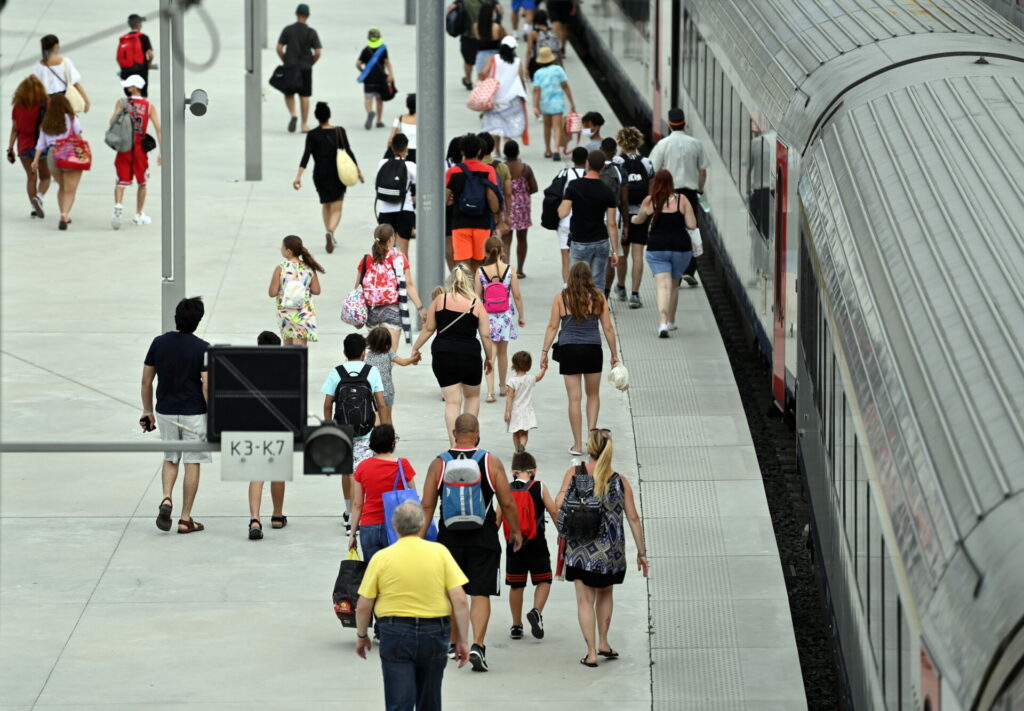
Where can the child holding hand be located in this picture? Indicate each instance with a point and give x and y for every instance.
(519, 415)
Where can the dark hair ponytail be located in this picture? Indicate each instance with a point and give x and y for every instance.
(492, 249)
(507, 54)
(294, 245)
(381, 237)
(47, 43)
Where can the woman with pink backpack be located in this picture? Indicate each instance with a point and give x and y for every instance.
(498, 288)
(386, 279)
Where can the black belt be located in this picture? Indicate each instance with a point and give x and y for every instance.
(416, 620)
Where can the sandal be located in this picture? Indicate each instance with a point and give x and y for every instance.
(520, 275)
(610, 654)
(191, 526)
(547, 154)
(330, 242)
(503, 390)
(278, 521)
(163, 519)
(584, 662)
(575, 452)
(255, 534)
(467, 83)
(490, 398)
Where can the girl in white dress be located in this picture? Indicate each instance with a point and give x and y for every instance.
(519, 415)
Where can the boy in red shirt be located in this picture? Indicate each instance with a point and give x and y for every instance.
(134, 164)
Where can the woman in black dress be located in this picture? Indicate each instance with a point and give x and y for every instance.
(323, 143)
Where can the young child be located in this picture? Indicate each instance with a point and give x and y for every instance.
(533, 557)
(519, 415)
(380, 355)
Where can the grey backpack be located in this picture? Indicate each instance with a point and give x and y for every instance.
(120, 136)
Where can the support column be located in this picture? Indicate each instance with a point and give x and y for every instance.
(431, 145)
(253, 94)
(410, 12)
(172, 115)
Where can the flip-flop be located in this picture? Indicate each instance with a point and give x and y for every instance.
(575, 453)
(584, 662)
(255, 534)
(292, 122)
(610, 654)
(278, 521)
(191, 526)
(547, 154)
(163, 519)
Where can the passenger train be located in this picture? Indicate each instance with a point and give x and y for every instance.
(867, 206)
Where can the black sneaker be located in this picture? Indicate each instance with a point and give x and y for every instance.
(517, 631)
(451, 651)
(348, 525)
(536, 621)
(620, 291)
(478, 658)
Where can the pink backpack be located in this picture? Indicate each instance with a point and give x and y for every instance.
(496, 294)
(380, 283)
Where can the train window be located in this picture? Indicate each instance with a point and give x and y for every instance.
(704, 81)
(832, 417)
(865, 591)
(863, 567)
(728, 99)
(883, 604)
(906, 694)
(713, 114)
(850, 478)
(841, 454)
(899, 655)
(744, 137)
(877, 600)
(856, 511)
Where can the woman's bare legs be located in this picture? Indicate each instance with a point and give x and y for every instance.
(664, 285)
(331, 215)
(453, 407)
(501, 354)
(548, 126)
(470, 401)
(574, 390)
(396, 337)
(559, 127)
(520, 250)
(585, 597)
(592, 385)
(604, 617)
(71, 180)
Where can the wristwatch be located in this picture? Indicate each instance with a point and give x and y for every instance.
(363, 636)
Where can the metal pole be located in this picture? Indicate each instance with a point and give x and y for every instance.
(431, 145)
(178, 149)
(152, 445)
(410, 12)
(262, 23)
(253, 95)
(168, 288)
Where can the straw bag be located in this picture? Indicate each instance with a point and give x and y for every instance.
(71, 93)
(348, 171)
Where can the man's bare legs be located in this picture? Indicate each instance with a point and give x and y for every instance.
(169, 475)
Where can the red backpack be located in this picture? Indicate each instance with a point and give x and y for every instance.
(380, 282)
(129, 50)
(526, 509)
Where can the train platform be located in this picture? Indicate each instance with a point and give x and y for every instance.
(100, 610)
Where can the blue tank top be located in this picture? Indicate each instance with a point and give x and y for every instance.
(585, 332)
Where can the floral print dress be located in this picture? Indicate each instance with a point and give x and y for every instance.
(519, 214)
(504, 325)
(301, 322)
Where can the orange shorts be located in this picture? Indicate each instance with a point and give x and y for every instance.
(468, 243)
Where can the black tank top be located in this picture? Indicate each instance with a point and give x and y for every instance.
(460, 330)
(669, 233)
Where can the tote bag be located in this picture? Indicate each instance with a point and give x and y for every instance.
(72, 153)
(71, 93)
(348, 173)
(482, 96)
(395, 498)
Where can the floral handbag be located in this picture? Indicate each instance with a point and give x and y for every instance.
(72, 153)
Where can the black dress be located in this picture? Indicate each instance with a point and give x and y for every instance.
(322, 144)
(455, 353)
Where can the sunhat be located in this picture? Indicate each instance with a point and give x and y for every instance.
(545, 55)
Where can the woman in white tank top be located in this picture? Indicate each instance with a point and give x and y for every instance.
(508, 117)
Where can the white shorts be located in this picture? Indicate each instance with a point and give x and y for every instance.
(563, 237)
(171, 432)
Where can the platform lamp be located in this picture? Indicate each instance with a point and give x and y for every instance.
(327, 449)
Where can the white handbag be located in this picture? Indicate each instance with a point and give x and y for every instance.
(619, 377)
(696, 241)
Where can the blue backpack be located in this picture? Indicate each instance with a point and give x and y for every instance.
(473, 198)
(462, 496)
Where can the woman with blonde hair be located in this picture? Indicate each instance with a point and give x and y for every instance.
(457, 316)
(293, 285)
(597, 563)
(386, 277)
(503, 322)
(578, 315)
(27, 108)
(59, 122)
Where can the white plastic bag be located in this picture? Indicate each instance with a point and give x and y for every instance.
(619, 377)
(696, 241)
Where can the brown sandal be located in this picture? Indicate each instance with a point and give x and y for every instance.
(163, 519)
(191, 526)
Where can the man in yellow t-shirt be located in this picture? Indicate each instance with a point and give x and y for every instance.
(415, 587)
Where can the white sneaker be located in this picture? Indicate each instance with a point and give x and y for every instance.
(673, 327)
(142, 219)
(663, 331)
(115, 218)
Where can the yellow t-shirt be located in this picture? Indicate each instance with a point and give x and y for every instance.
(411, 579)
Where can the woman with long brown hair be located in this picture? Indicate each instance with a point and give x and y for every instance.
(669, 250)
(293, 284)
(384, 275)
(59, 122)
(28, 105)
(580, 310)
(598, 563)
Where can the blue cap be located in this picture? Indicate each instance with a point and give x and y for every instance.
(302, 9)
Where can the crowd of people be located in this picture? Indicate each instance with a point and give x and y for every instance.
(610, 205)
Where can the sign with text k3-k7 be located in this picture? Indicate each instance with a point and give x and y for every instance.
(256, 456)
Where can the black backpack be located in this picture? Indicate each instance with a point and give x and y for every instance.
(393, 181)
(582, 515)
(455, 20)
(638, 180)
(553, 196)
(354, 404)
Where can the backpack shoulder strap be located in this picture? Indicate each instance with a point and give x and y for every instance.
(445, 457)
(479, 454)
(364, 372)
(507, 268)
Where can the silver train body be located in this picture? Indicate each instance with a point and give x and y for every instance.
(868, 209)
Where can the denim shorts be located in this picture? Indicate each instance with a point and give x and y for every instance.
(665, 261)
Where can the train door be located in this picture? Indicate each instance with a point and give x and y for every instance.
(779, 299)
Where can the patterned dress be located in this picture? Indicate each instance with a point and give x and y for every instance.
(519, 218)
(606, 555)
(297, 323)
(504, 325)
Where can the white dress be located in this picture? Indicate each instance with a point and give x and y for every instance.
(522, 416)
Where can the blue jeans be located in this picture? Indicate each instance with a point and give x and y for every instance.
(595, 254)
(413, 657)
(373, 538)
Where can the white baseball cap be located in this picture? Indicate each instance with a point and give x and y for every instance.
(509, 41)
(134, 80)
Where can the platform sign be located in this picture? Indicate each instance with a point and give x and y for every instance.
(256, 456)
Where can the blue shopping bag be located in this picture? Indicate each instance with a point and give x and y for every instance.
(395, 498)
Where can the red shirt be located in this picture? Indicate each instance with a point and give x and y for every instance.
(377, 476)
(26, 120)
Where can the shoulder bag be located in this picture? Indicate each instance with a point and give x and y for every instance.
(72, 153)
(458, 318)
(555, 348)
(348, 171)
(71, 93)
(482, 96)
(353, 309)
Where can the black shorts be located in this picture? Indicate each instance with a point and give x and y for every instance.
(469, 46)
(306, 85)
(482, 566)
(403, 221)
(456, 368)
(594, 580)
(580, 359)
(532, 558)
(637, 233)
(560, 10)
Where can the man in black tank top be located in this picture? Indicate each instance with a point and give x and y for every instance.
(477, 550)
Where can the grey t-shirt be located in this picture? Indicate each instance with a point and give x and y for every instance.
(299, 40)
